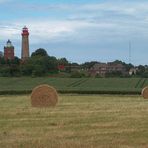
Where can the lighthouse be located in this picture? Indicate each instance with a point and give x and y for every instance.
(9, 51)
(25, 44)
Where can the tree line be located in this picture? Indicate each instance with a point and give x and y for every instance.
(41, 64)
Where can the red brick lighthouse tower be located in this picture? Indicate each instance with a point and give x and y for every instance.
(25, 44)
(9, 51)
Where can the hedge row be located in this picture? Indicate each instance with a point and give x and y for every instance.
(100, 92)
(15, 92)
(19, 92)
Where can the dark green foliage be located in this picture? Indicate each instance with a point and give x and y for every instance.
(63, 61)
(145, 74)
(10, 67)
(77, 74)
(2, 61)
(100, 92)
(88, 65)
(98, 76)
(142, 71)
(26, 69)
(15, 70)
(127, 66)
(5, 71)
(52, 64)
(39, 52)
(114, 74)
(13, 92)
(39, 66)
(15, 61)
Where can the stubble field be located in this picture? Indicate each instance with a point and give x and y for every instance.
(78, 121)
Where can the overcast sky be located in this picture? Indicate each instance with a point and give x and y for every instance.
(80, 30)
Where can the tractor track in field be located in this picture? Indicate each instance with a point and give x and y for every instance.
(77, 83)
(140, 83)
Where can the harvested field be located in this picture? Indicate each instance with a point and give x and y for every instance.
(78, 121)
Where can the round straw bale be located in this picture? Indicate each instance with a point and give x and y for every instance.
(145, 93)
(44, 96)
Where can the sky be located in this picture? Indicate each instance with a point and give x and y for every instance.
(80, 30)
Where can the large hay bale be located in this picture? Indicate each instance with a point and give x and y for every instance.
(145, 93)
(44, 96)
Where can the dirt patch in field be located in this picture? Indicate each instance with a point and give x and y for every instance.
(44, 96)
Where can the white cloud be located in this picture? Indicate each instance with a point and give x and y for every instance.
(125, 7)
(45, 31)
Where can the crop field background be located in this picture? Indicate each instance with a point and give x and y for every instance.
(78, 121)
(85, 85)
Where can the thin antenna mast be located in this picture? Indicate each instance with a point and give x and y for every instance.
(130, 47)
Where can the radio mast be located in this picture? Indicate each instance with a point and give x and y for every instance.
(130, 55)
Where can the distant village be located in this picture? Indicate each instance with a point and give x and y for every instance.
(10, 65)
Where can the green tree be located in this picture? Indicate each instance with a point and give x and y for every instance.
(39, 66)
(5, 71)
(2, 60)
(52, 64)
(88, 65)
(142, 71)
(127, 66)
(16, 61)
(63, 61)
(10, 67)
(39, 52)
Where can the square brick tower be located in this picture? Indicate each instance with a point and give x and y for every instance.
(25, 44)
(9, 51)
